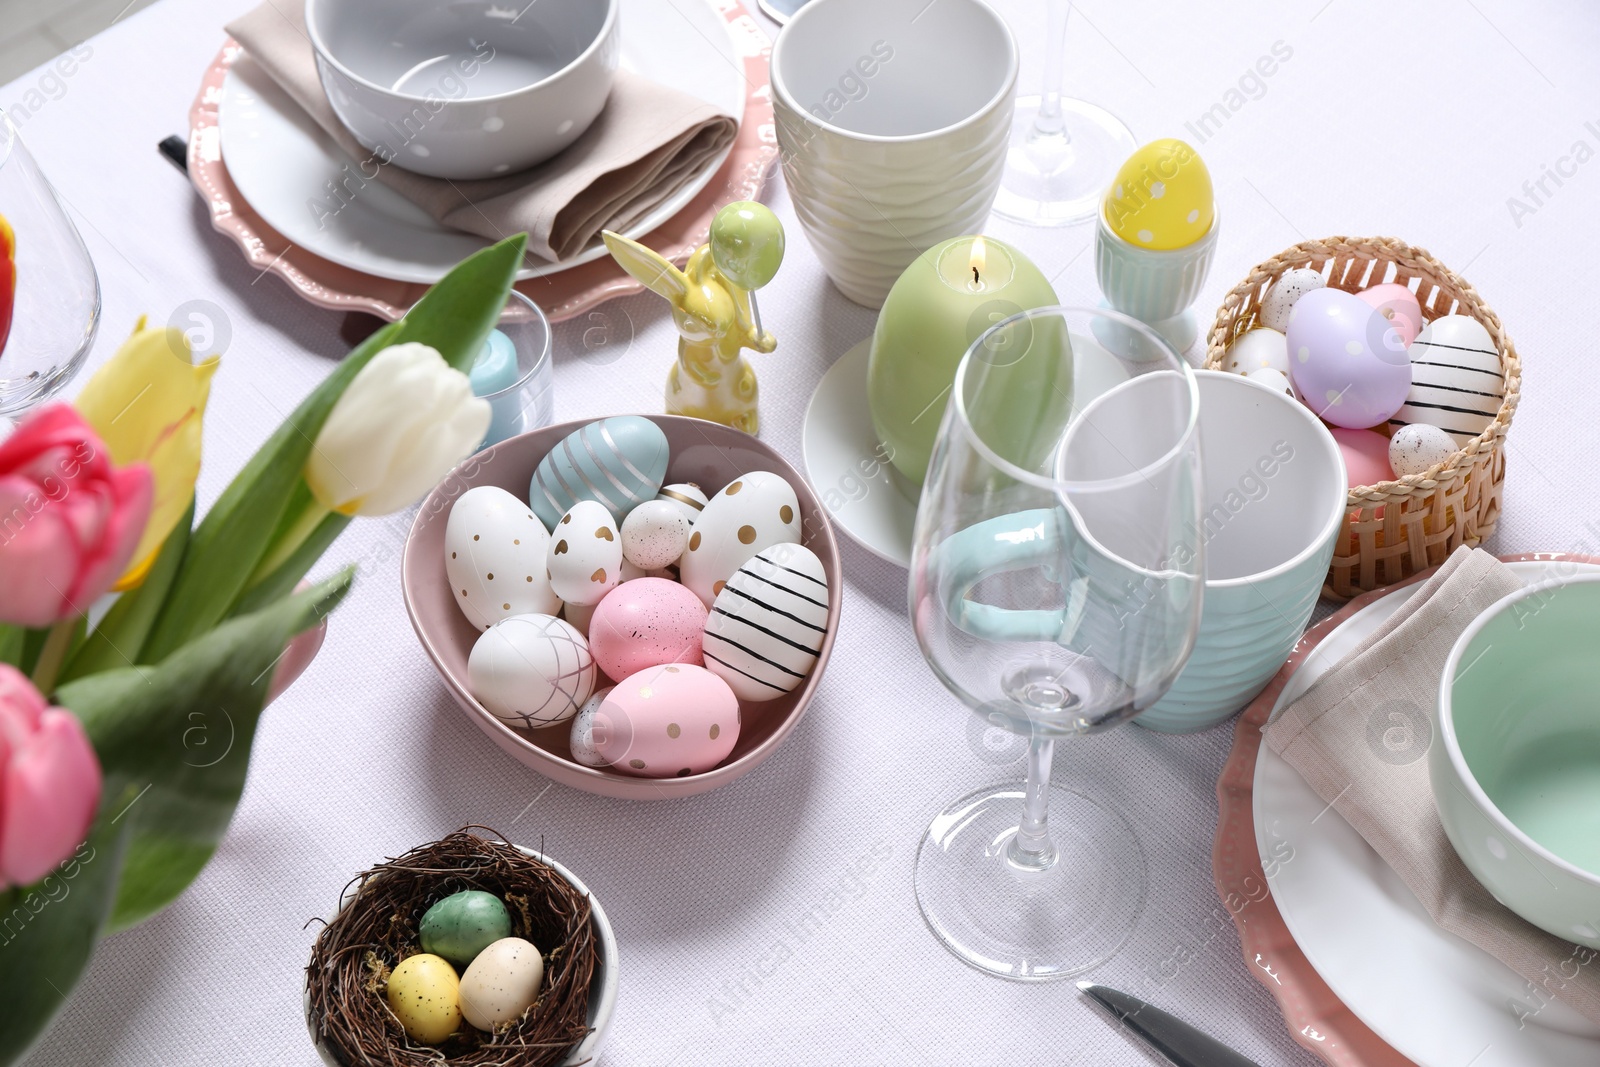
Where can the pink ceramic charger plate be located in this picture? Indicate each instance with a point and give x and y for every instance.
(1316, 1017)
(705, 453)
(562, 295)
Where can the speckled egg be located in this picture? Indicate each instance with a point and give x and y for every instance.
(531, 670)
(581, 740)
(644, 623)
(1415, 448)
(424, 995)
(1397, 304)
(502, 983)
(1346, 360)
(689, 497)
(463, 924)
(667, 722)
(585, 555)
(1161, 197)
(494, 553)
(755, 511)
(1285, 293)
(1273, 379)
(1257, 349)
(655, 534)
(1366, 456)
(1456, 379)
(768, 623)
(620, 462)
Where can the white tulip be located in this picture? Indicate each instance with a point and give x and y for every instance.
(403, 422)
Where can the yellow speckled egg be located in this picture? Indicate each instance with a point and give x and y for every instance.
(1161, 198)
(423, 993)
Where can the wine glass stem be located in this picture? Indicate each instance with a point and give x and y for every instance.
(1032, 848)
(1048, 121)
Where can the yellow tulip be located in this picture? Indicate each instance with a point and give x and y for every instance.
(147, 403)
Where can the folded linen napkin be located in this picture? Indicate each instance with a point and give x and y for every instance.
(1387, 798)
(648, 142)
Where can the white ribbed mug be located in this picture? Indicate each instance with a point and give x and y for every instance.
(1275, 491)
(893, 118)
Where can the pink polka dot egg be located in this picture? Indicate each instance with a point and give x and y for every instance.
(668, 721)
(645, 623)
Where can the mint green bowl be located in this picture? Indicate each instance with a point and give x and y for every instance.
(1516, 770)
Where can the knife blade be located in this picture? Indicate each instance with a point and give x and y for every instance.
(1180, 1043)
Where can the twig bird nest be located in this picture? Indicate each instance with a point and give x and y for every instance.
(354, 954)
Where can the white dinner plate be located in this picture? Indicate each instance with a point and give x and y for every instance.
(1433, 997)
(864, 495)
(282, 161)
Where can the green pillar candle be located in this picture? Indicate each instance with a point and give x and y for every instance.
(943, 302)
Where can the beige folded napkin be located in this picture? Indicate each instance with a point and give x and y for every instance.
(1326, 735)
(649, 141)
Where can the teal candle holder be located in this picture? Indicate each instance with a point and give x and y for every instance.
(1155, 287)
(515, 372)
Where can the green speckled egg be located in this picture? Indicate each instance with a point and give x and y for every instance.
(463, 924)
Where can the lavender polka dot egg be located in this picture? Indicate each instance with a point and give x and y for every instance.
(645, 623)
(669, 721)
(1347, 361)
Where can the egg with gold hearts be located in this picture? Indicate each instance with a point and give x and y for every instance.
(584, 561)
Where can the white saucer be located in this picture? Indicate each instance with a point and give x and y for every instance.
(864, 495)
(281, 160)
(1433, 997)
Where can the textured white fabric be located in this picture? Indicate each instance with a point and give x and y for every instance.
(774, 920)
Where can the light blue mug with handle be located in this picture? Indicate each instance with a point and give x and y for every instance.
(1274, 489)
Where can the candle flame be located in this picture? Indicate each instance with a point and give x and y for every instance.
(980, 258)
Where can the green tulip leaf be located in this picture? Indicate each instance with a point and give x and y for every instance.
(181, 731)
(455, 317)
(48, 930)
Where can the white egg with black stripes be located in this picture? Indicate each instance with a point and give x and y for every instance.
(768, 623)
(1457, 379)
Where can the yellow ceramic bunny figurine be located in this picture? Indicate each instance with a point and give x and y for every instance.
(714, 309)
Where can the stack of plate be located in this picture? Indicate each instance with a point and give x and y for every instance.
(260, 162)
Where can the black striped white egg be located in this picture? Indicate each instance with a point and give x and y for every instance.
(531, 671)
(495, 557)
(585, 557)
(755, 511)
(768, 623)
(1457, 382)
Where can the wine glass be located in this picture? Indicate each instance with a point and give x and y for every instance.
(1056, 581)
(49, 293)
(1063, 151)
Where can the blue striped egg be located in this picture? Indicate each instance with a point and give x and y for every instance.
(619, 462)
(1457, 382)
(767, 624)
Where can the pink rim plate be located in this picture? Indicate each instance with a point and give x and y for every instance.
(1315, 1015)
(563, 295)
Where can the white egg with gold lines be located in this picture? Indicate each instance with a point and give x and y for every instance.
(531, 671)
(767, 624)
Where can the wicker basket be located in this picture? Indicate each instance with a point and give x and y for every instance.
(1400, 527)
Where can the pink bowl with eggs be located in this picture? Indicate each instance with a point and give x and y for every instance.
(708, 454)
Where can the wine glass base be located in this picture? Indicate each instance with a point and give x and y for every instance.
(1057, 180)
(1023, 924)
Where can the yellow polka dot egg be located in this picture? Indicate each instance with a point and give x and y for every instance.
(1161, 198)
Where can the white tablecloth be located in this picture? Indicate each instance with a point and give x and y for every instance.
(1422, 120)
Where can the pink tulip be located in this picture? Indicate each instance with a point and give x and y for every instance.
(69, 520)
(49, 782)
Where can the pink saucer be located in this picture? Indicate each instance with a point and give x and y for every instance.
(563, 295)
